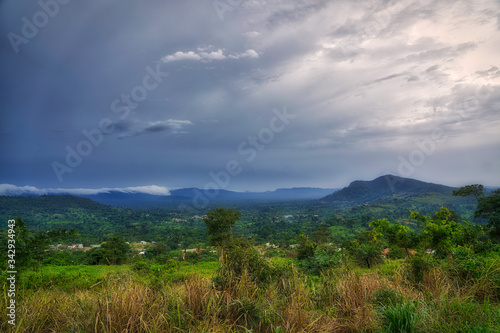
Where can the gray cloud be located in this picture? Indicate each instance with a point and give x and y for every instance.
(365, 80)
(491, 73)
(172, 126)
(440, 53)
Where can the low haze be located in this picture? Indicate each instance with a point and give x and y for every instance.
(249, 95)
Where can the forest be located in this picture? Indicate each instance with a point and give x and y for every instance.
(395, 265)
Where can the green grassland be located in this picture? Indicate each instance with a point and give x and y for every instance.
(453, 295)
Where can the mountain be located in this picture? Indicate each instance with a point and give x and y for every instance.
(159, 196)
(191, 195)
(386, 188)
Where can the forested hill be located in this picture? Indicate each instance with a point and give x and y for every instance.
(56, 204)
(65, 211)
(388, 188)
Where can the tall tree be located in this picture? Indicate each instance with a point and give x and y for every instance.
(489, 207)
(476, 190)
(117, 250)
(220, 223)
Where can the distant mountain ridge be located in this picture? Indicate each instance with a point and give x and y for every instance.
(189, 195)
(385, 188)
(157, 196)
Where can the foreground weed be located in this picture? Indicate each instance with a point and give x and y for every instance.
(399, 318)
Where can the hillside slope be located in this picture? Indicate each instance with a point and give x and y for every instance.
(386, 188)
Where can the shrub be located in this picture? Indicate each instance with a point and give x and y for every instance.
(465, 266)
(324, 258)
(171, 266)
(396, 252)
(141, 267)
(417, 266)
(399, 318)
(239, 258)
(366, 255)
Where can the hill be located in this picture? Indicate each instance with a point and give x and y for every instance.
(47, 212)
(392, 189)
(385, 188)
(394, 197)
(188, 195)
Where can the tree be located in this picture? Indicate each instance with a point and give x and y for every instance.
(489, 208)
(366, 254)
(159, 252)
(476, 190)
(117, 250)
(306, 247)
(220, 223)
(396, 234)
(96, 256)
(322, 235)
(440, 231)
(31, 247)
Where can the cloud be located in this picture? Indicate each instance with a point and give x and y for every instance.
(173, 126)
(247, 54)
(252, 34)
(13, 190)
(364, 78)
(440, 53)
(385, 78)
(205, 56)
(492, 73)
(177, 56)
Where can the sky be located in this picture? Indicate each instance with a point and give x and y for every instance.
(247, 95)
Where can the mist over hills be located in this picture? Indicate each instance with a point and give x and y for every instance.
(190, 195)
(156, 196)
(387, 188)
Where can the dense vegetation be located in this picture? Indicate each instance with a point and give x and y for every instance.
(366, 267)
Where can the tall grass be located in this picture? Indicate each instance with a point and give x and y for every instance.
(340, 300)
(400, 318)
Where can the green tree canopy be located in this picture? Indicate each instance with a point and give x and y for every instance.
(31, 246)
(489, 207)
(220, 223)
(117, 250)
(439, 231)
(476, 190)
(396, 234)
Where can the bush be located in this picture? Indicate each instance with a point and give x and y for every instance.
(324, 258)
(395, 252)
(240, 257)
(140, 267)
(171, 266)
(465, 266)
(400, 318)
(366, 255)
(417, 266)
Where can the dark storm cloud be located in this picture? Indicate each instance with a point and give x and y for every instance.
(171, 126)
(185, 92)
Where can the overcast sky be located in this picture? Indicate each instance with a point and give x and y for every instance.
(249, 95)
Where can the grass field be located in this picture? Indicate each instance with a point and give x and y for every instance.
(183, 297)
